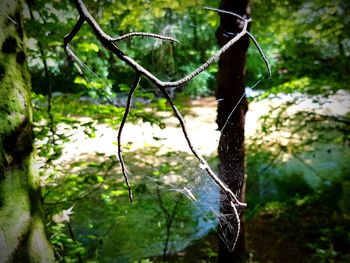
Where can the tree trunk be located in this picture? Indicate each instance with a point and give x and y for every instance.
(22, 233)
(231, 145)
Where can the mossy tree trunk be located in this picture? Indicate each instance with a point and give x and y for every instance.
(229, 93)
(22, 233)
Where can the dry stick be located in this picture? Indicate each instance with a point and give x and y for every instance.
(143, 34)
(261, 52)
(238, 220)
(107, 42)
(224, 12)
(68, 38)
(127, 110)
(203, 162)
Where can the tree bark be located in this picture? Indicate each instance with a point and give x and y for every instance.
(22, 232)
(231, 145)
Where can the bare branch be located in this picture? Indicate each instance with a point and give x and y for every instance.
(67, 38)
(203, 163)
(127, 110)
(143, 34)
(248, 33)
(238, 222)
(224, 12)
(261, 53)
(107, 42)
(110, 44)
(210, 61)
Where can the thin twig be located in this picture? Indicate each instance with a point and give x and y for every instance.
(169, 219)
(238, 221)
(224, 12)
(308, 165)
(261, 54)
(12, 20)
(108, 43)
(68, 38)
(125, 116)
(79, 63)
(143, 34)
(203, 163)
(231, 113)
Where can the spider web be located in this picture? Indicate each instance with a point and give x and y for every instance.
(202, 193)
(196, 186)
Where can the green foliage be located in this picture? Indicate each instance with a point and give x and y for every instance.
(199, 85)
(307, 43)
(66, 248)
(303, 40)
(185, 20)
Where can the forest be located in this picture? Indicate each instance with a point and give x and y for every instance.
(175, 131)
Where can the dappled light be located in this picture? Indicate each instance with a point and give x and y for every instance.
(174, 131)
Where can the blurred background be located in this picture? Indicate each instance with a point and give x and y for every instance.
(297, 132)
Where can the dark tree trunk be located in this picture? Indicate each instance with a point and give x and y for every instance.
(22, 233)
(231, 146)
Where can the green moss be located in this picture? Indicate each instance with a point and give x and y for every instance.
(15, 116)
(22, 254)
(20, 216)
(19, 143)
(39, 251)
(14, 214)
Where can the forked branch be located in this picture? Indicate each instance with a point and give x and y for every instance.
(110, 44)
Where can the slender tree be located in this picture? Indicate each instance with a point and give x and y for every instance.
(231, 112)
(22, 233)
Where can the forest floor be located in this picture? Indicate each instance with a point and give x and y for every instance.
(200, 120)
